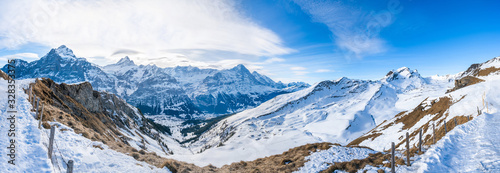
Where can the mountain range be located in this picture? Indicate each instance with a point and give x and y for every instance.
(337, 111)
(184, 92)
(350, 112)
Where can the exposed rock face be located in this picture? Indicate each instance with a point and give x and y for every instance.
(100, 116)
(465, 81)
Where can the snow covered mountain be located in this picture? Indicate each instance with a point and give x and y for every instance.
(474, 92)
(330, 111)
(180, 91)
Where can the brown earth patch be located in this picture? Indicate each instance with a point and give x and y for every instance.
(358, 141)
(439, 108)
(4, 75)
(463, 82)
(487, 71)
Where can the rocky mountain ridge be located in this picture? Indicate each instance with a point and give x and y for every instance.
(184, 92)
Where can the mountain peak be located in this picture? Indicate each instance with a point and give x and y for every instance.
(403, 69)
(240, 67)
(65, 52)
(125, 61)
(403, 72)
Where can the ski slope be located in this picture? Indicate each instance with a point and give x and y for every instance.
(31, 146)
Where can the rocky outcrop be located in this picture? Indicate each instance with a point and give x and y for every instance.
(465, 81)
(102, 117)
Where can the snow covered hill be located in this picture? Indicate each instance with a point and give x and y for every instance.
(336, 111)
(32, 145)
(180, 91)
(474, 92)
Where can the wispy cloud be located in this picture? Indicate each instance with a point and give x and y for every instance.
(355, 30)
(24, 56)
(142, 28)
(299, 71)
(322, 71)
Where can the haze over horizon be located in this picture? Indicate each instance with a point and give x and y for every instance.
(286, 40)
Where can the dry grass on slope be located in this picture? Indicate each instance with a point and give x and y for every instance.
(94, 126)
(438, 109)
(4, 75)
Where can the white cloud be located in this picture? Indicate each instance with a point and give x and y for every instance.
(355, 31)
(23, 56)
(273, 60)
(297, 68)
(299, 71)
(322, 71)
(138, 28)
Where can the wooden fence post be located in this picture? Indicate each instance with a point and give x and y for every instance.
(29, 92)
(445, 130)
(407, 149)
(70, 167)
(41, 117)
(37, 103)
(420, 142)
(393, 165)
(33, 102)
(51, 141)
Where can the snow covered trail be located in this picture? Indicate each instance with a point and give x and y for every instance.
(31, 145)
(31, 155)
(471, 147)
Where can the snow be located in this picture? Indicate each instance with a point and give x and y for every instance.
(330, 111)
(466, 102)
(471, 147)
(319, 161)
(31, 154)
(32, 144)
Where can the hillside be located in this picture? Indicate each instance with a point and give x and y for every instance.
(91, 144)
(330, 111)
(474, 92)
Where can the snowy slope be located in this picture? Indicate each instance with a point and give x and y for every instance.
(330, 111)
(32, 145)
(460, 103)
(319, 161)
(471, 147)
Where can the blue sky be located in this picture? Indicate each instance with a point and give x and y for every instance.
(284, 39)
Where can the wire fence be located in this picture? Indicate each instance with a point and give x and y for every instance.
(53, 156)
